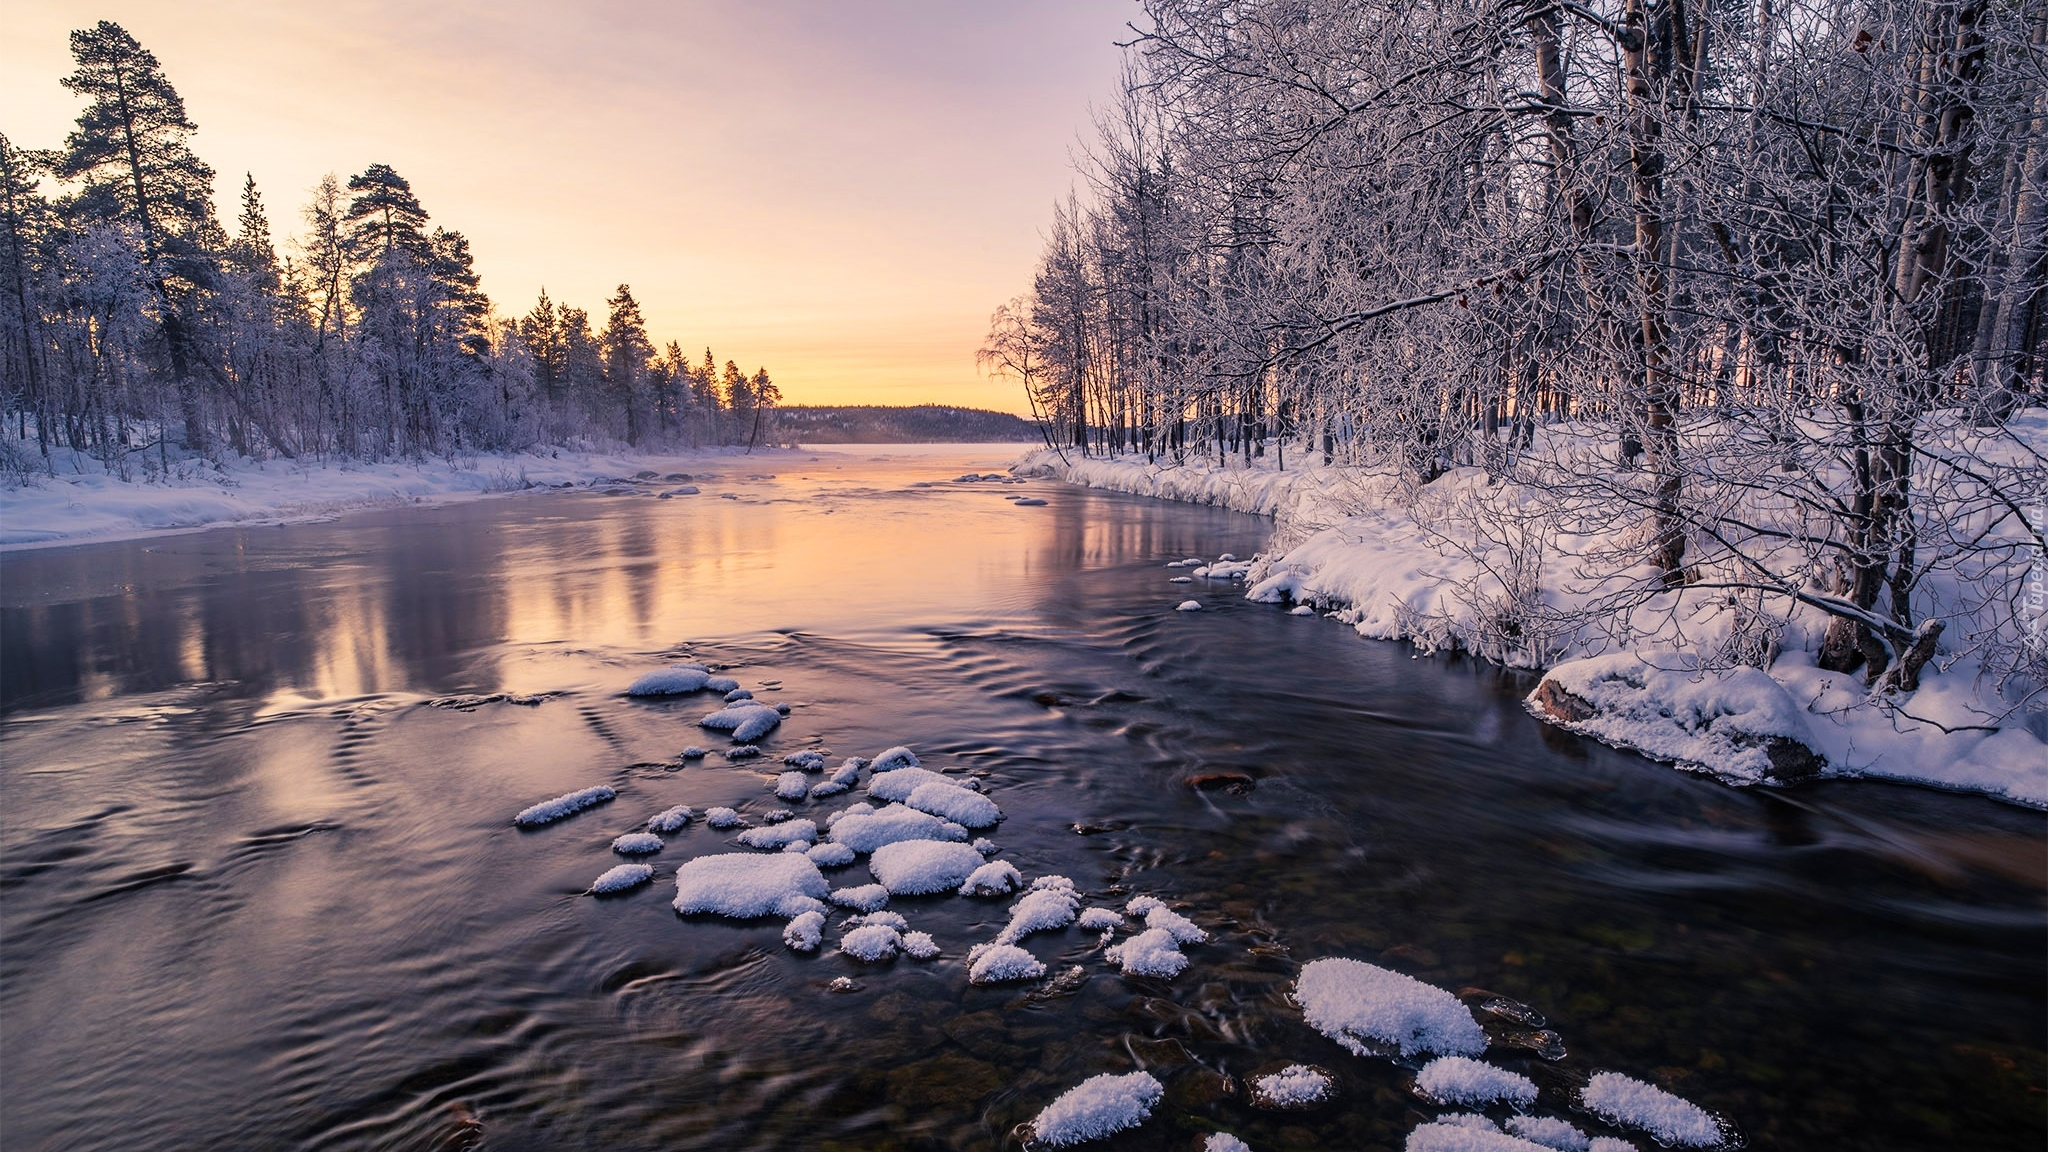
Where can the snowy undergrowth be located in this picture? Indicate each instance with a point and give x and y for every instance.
(1469, 562)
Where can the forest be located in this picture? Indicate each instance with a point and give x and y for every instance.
(1750, 292)
(134, 321)
(912, 424)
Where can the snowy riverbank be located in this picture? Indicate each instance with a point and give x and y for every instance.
(1426, 564)
(83, 504)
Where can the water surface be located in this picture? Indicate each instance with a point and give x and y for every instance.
(260, 892)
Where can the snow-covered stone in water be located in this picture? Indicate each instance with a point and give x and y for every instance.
(830, 855)
(798, 846)
(1097, 919)
(892, 919)
(1474, 1083)
(824, 788)
(1671, 1119)
(1153, 952)
(871, 942)
(1740, 725)
(672, 821)
(722, 818)
(1295, 1086)
(780, 835)
(738, 694)
(920, 945)
(918, 867)
(997, 963)
(1302, 610)
(995, 878)
(746, 720)
(1610, 1144)
(549, 811)
(792, 786)
(721, 683)
(1462, 1134)
(803, 933)
(1182, 929)
(1353, 1002)
(807, 761)
(862, 898)
(1099, 1106)
(1040, 910)
(967, 809)
(1143, 905)
(1226, 558)
(744, 885)
(781, 709)
(693, 752)
(1055, 883)
(776, 815)
(670, 681)
(742, 752)
(854, 809)
(985, 846)
(1192, 561)
(894, 758)
(869, 831)
(1550, 1132)
(623, 877)
(1188, 606)
(1224, 1142)
(637, 844)
(897, 785)
(848, 774)
(1180, 579)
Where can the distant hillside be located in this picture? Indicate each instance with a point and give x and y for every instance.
(923, 424)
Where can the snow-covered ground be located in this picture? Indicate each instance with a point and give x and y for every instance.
(82, 503)
(1424, 564)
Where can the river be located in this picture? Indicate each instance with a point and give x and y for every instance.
(260, 888)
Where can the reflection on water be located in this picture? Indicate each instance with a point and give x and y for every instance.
(258, 894)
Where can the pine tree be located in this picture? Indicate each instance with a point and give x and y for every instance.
(626, 353)
(24, 225)
(383, 215)
(131, 149)
(253, 253)
(541, 330)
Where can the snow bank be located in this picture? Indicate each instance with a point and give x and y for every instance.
(1098, 1106)
(744, 885)
(997, 963)
(779, 836)
(637, 844)
(869, 831)
(918, 867)
(670, 681)
(623, 877)
(1153, 952)
(1740, 725)
(549, 811)
(672, 821)
(1463, 1080)
(804, 931)
(1352, 1002)
(1295, 1086)
(746, 720)
(968, 809)
(1673, 1121)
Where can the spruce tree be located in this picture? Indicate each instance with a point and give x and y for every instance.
(24, 226)
(383, 215)
(626, 354)
(253, 253)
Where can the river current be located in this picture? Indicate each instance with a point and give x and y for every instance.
(260, 886)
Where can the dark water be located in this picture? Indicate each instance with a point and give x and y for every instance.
(256, 893)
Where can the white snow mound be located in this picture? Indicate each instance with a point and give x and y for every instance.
(871, 942)
(1671, 1119)
(996, 963)
(672, 821)
(1446, 1136)
(1550, 1132)
(995, 878)
(862, 898)
(623, 877)
(637, 844)
(917, 867)
(1463, 1080)
(670, 681)
(830, 855)
(746, 720)
(1096, 1107)
(897, 786)
(744, 885)
(1295, 1086)
(1039, 910)
(869, 831)
(779, 836)
(894, 758)
(1152, 952)
(549, 811)
(962, 807)
(804, 931)
(1351, 1002)
(792, 786)
(1708, 720)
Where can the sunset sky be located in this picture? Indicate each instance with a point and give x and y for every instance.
(840, 191)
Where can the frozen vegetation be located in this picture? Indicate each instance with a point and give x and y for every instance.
(549, 811)
(1098, 1106)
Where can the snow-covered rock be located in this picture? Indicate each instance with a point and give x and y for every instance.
(995, 878)
(670, 681)
(920, 945)
(804, 931)
(1188, 606)
(870, 831)
(1741, 725)
(1474, 1083)
(894, 758)
(792, 786)
(1353, 1002)
(1673, 1120)
(623, 877)
(671, 821)
(999, 963)
(1098, 1106)
(968, 809)
(1462, 1134)
(861, 898)
(1550, 1132)
(746, 720)
(1153, 952)
(549, 811)
(830, 855)
(919, 867)
(1097, 919)
(744, 885)
(637, 844)
(1293, 1087)
(871, 943)
(898, 784)
(722, 818)
(1039, 910)
(779, 836)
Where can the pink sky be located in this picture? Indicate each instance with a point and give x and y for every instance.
(839, 191)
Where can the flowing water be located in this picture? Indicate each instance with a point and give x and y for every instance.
(259, 886)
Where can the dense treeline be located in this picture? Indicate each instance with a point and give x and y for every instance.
(131, 319)
(1765, 276)
(915, 424)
